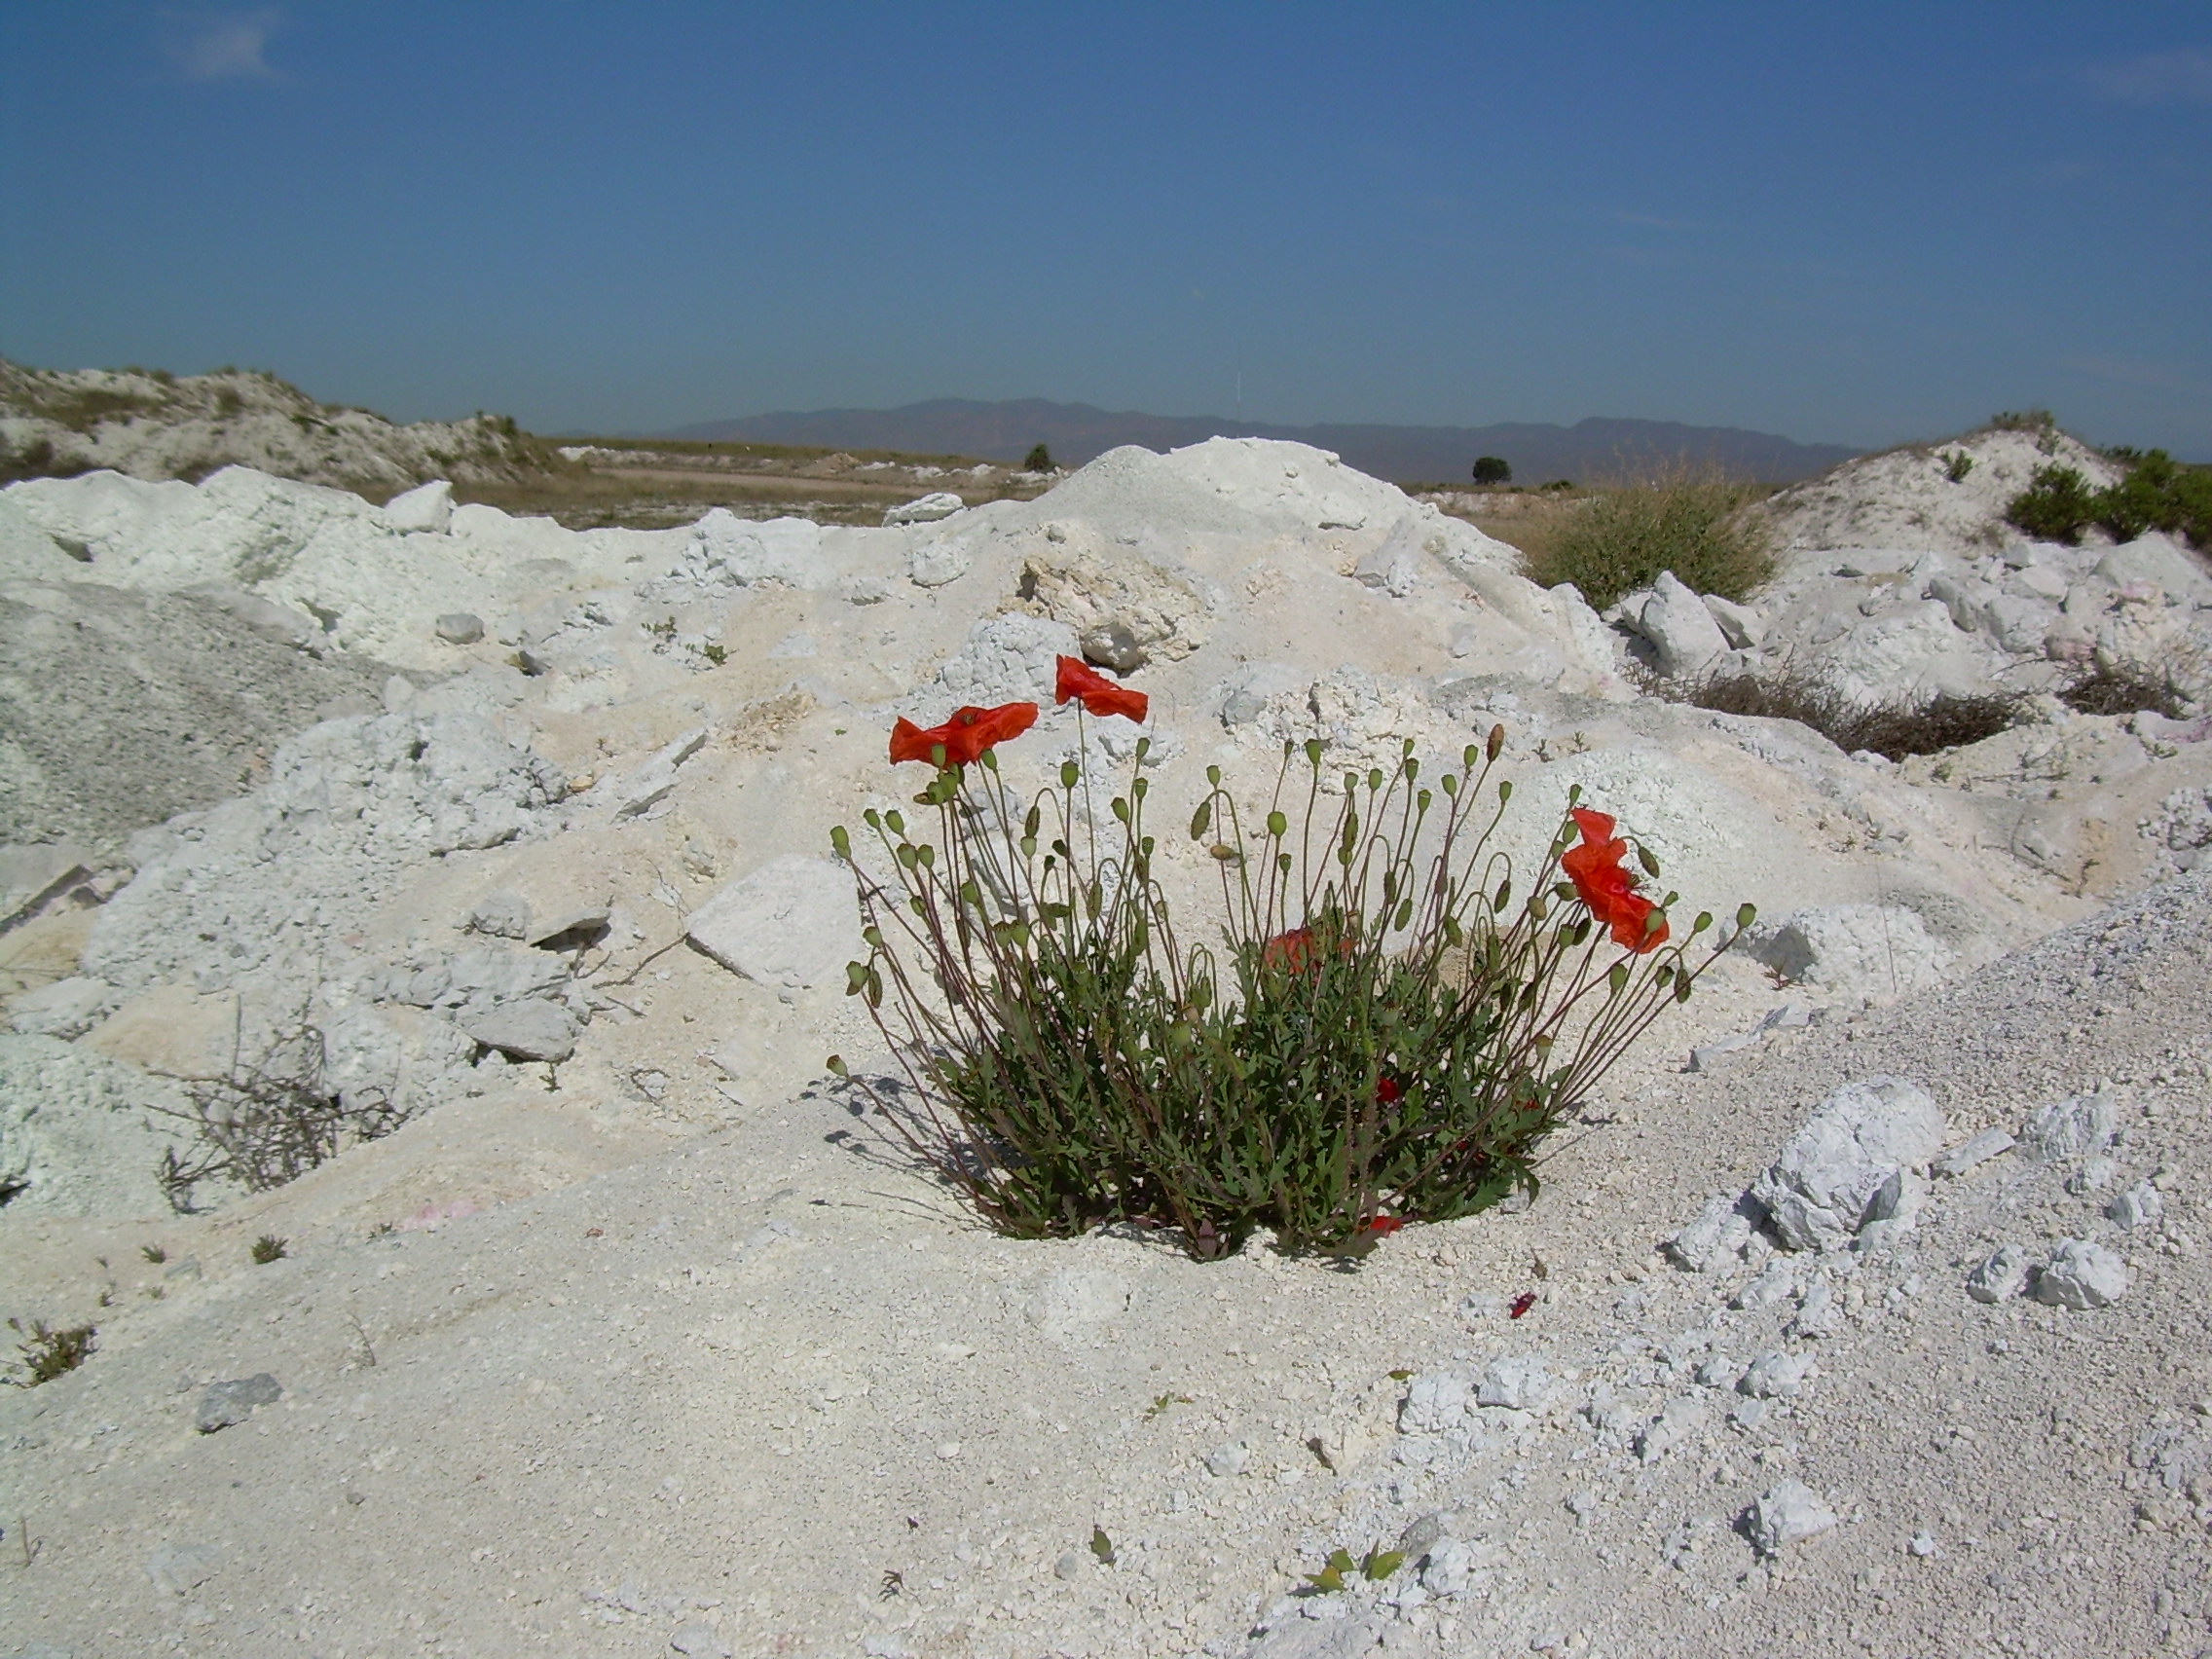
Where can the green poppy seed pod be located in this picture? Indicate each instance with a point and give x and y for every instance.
(1069, 773)
(840, 843)
(1654, 923)
(1683, 989)
(1616, 977)
(872, 819)
(1121, 808)
(1351, 782)
(1373, 778)
(1412, 767)
(1313, 751)
(990, 759)
(1143, 748)
(1647, 859)
(1283, 862)
(837, 1065)
(895, 821)
(1423, 800)
(1145, 845)
(1496, 744)
(872, 936)
(1467, 757)
(1201, 820)
(1663, 977)
(1140, 787)
(1213, 776)
(856, 977)
(937, 755)
(927, 855)
(1451, 781)
(1746, 915)
(1504, 790)
(1540, 907)
(1703, 921)
(906, 855)
(1574, 794)
(1278, 825)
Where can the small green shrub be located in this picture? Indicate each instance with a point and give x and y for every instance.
(154, 1253)
(1361, 1035)
(1492, 469)
(268, 1248)
(2057, 505)
(2157, 492)
(1957, 466)
(2023, 420)
(48, 1353)
(1038, 459)
(1694, 524)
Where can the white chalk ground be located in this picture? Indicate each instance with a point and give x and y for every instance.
(663, 1352)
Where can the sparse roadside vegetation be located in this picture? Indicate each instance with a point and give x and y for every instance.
(1687, 520)
(1891, 729)
(46, 1354)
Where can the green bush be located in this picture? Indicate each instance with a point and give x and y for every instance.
(1359, 1037)
(1694, 524)
(2057, 505)
(1038, 459)
(1492, 469)
(2158, 492)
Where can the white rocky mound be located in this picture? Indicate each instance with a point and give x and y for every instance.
(153, 425)
(1867, 1313)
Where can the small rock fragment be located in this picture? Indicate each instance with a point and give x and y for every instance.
(925, 509)
(2003, 1276)
(1232, 1459)
(226, 1404)
(461, 628)
(1923, 1543)
(1792, 1511)
(1434, 1402)
(1975, 1152)
(178, 1569)
(1519, 1382)
(1775, 1376)
(2082, 1275)
(2139, 1206)
(1114, 646)
(2079, 1126)
(1816, 1313)
(699, 1642)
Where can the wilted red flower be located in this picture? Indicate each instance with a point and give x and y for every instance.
(965, 736)
(1100, 695)
(1291, 951)
(1388, 1093)
(1523, 1302)
(1595, 869)
(1378, 1227)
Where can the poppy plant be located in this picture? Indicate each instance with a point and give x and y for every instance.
(965, 736)
(1077, 680)
(1595, 869)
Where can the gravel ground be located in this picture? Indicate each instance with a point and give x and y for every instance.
(767, 1393)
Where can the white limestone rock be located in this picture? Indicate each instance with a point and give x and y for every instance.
(1852, 1163)
(2082, 1275)
(792, 923)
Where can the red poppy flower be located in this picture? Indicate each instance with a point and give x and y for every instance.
(1379, 1226)
(1100, 695)
(1291, 951)
(965, 736)
(1388, 1093)
(1595, 869)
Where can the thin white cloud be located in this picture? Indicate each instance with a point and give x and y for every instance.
(2160, 77)
(222, 46)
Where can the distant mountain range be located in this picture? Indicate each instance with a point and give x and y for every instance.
(1592, 450)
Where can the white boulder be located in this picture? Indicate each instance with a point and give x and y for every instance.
(792, 923)
(425, 507)
(1852, 1162)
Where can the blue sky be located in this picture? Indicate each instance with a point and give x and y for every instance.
(1857, 224)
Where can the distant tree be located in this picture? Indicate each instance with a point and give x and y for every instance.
(1490, 469)
(1040, 460)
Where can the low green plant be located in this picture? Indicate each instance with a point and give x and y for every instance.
(1380, 1023)
(2157, 492)
(715, 652)
(1693, 523)
(154, 1253)
(1957, 466)
(46, 1354)
(268, 1248)
(2023, 420)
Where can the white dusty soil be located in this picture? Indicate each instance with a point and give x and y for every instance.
(661, 1348)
